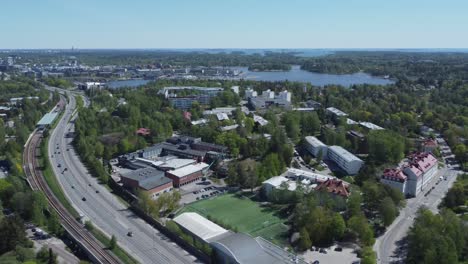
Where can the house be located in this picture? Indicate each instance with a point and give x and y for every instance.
(429, 145)
(315, 146)
(335, 187)
(413, 175)
(143, 131)
(148, 179)
(344, 159)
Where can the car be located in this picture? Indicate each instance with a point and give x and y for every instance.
(58, 148)
(339, 249)
(97, 191)
(89, 184)
(316, 262)
(65, 169)
(60, 165)
(33, 230)
(73, 186)
(58, 152)
(322, 250)
(83, 199)
(68, 149)
(198, 198)
(130, 233)
(195, 192)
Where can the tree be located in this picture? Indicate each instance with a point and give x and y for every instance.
(53, 224)
(112, 242)
(304, 240)
(337, 226)
(361, 227)
(387, 210)
(12, 233)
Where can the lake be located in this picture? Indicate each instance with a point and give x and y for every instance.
(318, 79)
(295, 74)
(127, 83)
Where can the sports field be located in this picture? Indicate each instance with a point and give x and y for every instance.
(244, 214)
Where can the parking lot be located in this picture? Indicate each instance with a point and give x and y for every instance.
(200, 190)
(329, 255)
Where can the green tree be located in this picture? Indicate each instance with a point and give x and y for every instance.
(388, 211)
(337, 226)
(304, 240)
(112, 242)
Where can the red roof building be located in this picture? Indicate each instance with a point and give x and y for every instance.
(335, 186)
(429, 145)
(143, 131)
(187, 116)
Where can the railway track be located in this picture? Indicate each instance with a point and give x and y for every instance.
(71, 225)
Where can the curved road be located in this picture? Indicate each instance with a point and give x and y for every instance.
(104, 210)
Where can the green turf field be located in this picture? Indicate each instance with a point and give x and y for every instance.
(245, 215)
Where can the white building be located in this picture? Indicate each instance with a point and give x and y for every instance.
(371, 126)
(314, 146)
(268, 98)
(275, 183)
(199, 226)
(235, 89)
(336, 112)
(413, 176)
(344, 159)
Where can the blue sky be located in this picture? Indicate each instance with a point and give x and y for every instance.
(234, 24)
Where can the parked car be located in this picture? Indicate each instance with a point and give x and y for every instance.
(339, 249)
(322, 250)
(83, 199)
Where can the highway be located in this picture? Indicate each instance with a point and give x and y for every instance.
(102, 208)
(389, 246)
(96, 250)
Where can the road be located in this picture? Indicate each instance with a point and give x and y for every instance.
(104, 210)
(389, 246)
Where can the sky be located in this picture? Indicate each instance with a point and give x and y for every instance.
(171, 24)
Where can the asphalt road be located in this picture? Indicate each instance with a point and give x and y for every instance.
(105, 211)
(390, 247)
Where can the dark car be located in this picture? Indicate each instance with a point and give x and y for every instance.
(83, 199)
(316, 262)
(130, 233)
(339, 249)
(322, 250)
(97, 191)
(89, 184)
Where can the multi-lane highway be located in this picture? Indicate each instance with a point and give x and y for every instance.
(102, 208)
(389, 246)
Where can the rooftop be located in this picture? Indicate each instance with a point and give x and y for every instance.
(199, 226)
(336, 111)
(184, 171)
(47, 119)
(370, 126)
(335, 186)
(315, 142)
(148, 177)
(346, 155)
(245, 249)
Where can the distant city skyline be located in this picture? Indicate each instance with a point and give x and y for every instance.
(241, 24)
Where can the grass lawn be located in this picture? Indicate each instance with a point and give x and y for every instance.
(244, 214)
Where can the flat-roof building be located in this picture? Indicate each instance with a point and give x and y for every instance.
(187, 174)
(46, 120)
(315, 146)
(148, 179)
(336, 112)
(344, 159)
(199, 226)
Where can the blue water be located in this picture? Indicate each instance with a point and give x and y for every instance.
(317, 79)
(127, 83)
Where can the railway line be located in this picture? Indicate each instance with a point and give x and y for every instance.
(82, 236)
